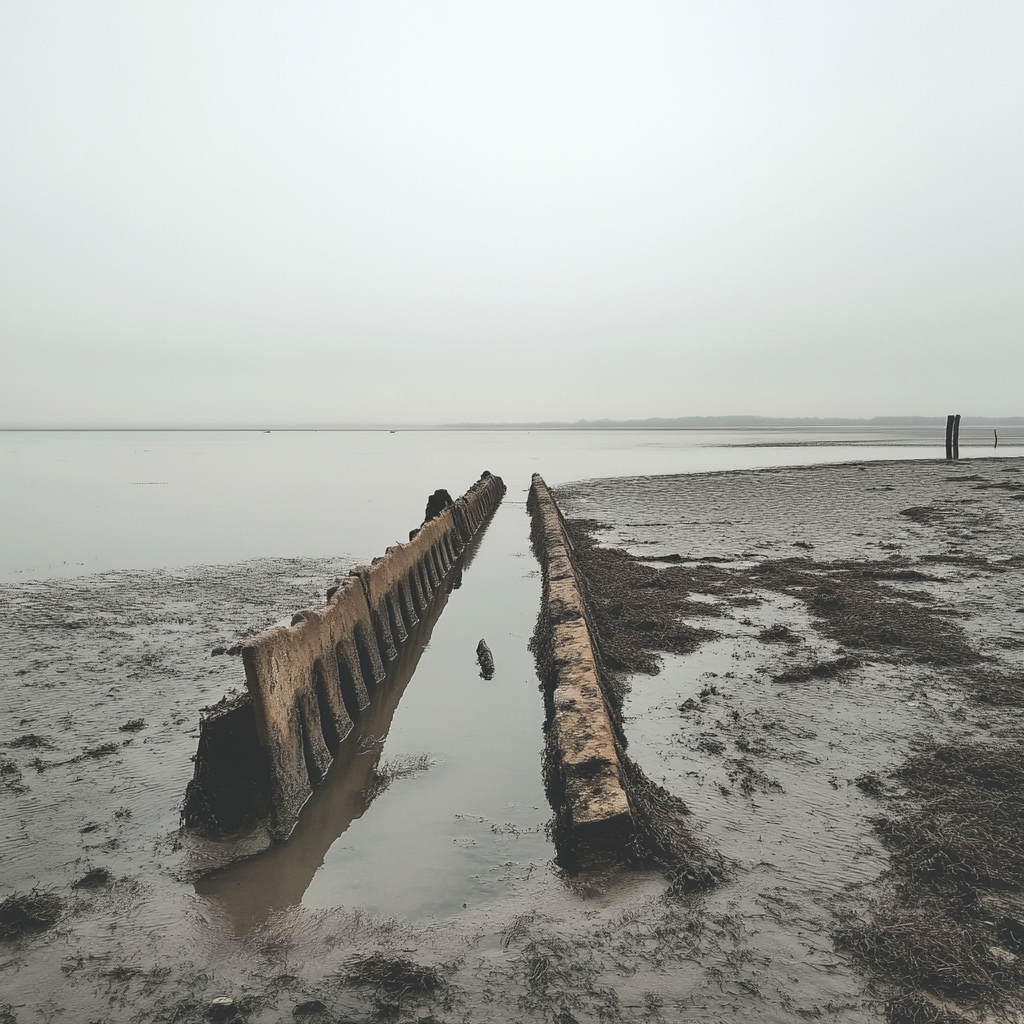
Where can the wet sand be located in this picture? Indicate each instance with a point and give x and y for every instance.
(769, 751)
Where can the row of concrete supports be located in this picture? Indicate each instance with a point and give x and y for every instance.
(307, 683)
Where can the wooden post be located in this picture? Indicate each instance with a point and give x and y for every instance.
(949, 436)
(956, 436)
(995, 434)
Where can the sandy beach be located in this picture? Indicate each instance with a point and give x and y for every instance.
(824, 663)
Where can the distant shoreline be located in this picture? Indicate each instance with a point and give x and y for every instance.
(681, 423)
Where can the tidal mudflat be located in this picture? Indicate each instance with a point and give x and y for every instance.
(827, 665)
(813, 659)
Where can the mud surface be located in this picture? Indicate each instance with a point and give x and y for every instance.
(854, 680)
(807, 745)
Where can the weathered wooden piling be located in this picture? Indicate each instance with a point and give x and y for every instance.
(956, 436)
(308, 682)
(950, 419)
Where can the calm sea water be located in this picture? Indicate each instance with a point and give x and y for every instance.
(79, 502)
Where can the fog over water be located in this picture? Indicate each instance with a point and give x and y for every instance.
(450, 212)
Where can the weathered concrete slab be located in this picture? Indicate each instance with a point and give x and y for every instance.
(583, 764)
(309, 681)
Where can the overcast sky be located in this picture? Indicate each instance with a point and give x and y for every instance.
(437, 212)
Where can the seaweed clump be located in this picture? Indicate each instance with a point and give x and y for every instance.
(857, 606)
(637, 609)
(945, 932)
(393, 974)
(35, 911)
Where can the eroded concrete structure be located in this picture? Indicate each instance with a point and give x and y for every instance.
(307, 683)
(582, 766)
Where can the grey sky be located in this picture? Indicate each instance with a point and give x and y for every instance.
(481, 211)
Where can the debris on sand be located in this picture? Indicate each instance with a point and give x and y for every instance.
(942, 932)
(485, 659)
(36, 911)
(222, 1008)
(133, 725)
(103, 750)
(10, 775)
(778, 634)
(870, 784)
(391, 974)
(95, 878)
(816, 670)
(30, 741)
(309, 1008)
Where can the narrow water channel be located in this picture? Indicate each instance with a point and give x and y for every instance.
(454, 761)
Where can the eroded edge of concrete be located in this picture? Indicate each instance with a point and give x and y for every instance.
(582, 770)
(308, 682)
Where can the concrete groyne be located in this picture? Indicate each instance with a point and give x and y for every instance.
(583, 773)
(261, 754)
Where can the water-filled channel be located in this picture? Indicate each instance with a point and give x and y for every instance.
(460, 811)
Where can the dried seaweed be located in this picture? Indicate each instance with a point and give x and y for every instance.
(963, 843)
(638, 610)
(855, 604)
(393, 974)
(35, 911)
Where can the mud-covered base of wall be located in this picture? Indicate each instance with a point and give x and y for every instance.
(652, 831)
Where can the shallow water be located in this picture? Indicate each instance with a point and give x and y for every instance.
(77, 502)
(461, 831)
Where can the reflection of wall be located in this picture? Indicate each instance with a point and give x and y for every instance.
(309, 683)
(251, 889)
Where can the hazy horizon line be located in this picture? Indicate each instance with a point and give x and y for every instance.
(651, 423)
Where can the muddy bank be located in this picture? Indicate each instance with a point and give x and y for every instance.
(879, 593)
(786, 738)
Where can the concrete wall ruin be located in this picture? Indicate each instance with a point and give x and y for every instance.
(307, 683)
(582, 766)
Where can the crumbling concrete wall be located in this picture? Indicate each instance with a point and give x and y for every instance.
(582, 769)
(606, 808)
(308, 682)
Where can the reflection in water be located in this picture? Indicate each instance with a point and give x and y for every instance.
(251, 889)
